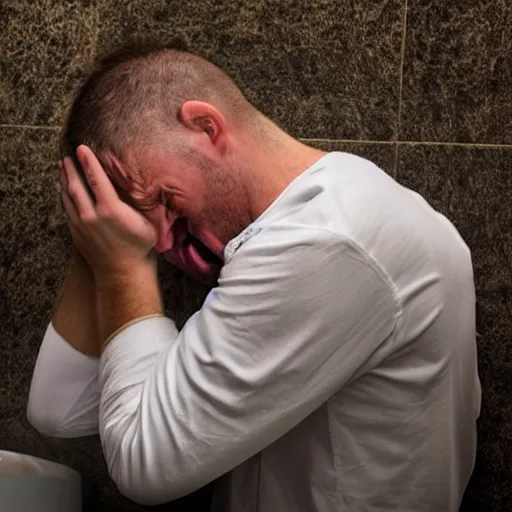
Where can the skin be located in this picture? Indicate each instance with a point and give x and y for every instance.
(143, 202)
(75, 315)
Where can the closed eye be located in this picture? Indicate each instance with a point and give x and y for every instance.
(143, 202)
(167, 199)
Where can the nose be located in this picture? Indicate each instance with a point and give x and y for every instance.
(163, 222)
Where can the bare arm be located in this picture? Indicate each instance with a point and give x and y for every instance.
(75, 316)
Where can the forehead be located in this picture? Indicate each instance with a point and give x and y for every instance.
(133, 182)
(125, 172)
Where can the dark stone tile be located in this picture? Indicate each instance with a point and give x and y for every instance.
(32, 254)
(46, 48)
(322, 69)
(472, 187)
(458, 71)
(34, 250)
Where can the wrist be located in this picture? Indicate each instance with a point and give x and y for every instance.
(74, 316)
(125, 275)
(125, 295)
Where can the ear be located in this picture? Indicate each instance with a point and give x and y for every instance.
(200, 116)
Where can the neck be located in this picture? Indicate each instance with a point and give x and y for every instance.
(274, 162)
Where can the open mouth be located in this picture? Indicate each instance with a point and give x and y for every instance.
(189, 249)
(201, 249)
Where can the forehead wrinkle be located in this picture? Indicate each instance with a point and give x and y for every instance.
(144, 195)
(125, 180)
(127, 176)
(115, 171)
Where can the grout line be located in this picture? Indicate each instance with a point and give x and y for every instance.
(354, 141)
(456, 144)
(413, 143)
(395, 161)
(339, 141)
(30, 126)
(400, 88)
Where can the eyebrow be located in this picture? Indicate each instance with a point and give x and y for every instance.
(144, 202)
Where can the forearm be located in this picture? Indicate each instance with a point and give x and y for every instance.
(75, 316)
(124, 297)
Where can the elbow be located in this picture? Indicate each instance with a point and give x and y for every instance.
(51, 421)
(43, 420)
(139, 495)
(142, 491)
(138, 472)
(143, 487)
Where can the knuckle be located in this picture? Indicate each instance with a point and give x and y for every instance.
(87, 218)
(72, 190)
(91, 179)
(105, 213)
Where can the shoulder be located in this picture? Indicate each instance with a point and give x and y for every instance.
(294, 256)
(282, 243)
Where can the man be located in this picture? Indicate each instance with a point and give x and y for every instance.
(332, 368)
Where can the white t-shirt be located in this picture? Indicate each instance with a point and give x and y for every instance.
(333, 369)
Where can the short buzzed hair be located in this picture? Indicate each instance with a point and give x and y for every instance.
(135, 93)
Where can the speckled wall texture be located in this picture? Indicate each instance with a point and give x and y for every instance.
(422, 87)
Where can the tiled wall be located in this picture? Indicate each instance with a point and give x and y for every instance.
(422, 87)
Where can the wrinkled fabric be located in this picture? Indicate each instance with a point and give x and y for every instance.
(333, 368)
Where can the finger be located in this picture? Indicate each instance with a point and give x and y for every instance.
(62, 176)
(76, 190)
(69, 207)
(100, 184)
(73, 223)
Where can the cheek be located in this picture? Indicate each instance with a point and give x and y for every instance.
(194, 200)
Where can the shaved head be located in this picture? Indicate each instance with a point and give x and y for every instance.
(133, 97)
(183, 146)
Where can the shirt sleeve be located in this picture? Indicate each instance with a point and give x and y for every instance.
(64, 393)
(291, 322)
